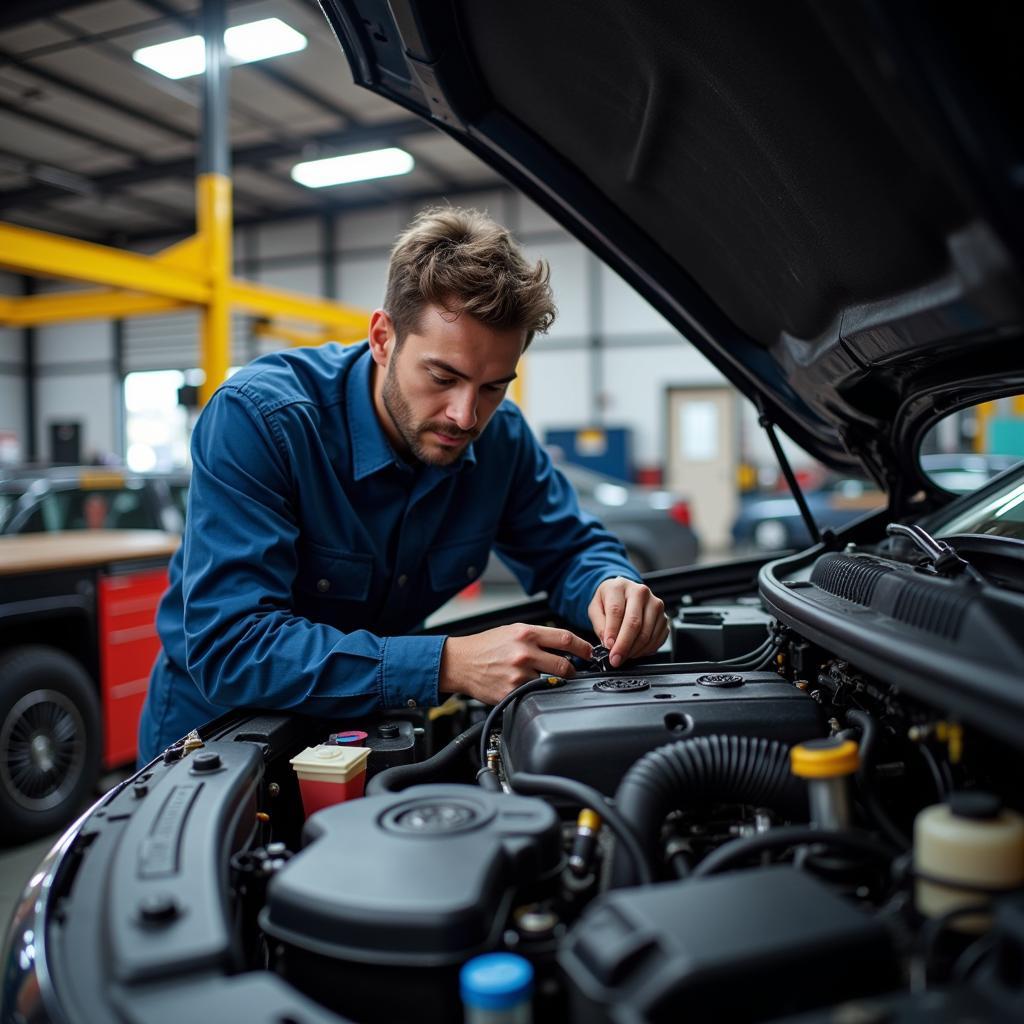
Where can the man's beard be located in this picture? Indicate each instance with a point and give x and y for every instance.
(412, 433)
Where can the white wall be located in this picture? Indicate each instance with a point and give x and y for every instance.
(12, 382)
(551, 397)
(76, 381)
(12, 396)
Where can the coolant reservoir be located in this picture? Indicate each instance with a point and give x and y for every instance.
(963, 850)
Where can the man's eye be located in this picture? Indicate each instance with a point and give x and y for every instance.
(442, 381)
(497, 388)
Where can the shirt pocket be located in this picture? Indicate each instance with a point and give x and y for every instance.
(456, 565)
(327, 573)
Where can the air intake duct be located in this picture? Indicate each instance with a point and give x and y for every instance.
(701, 771)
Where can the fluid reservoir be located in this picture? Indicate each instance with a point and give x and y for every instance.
(963, 851)
(827, 765)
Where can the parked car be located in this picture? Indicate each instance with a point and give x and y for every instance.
(773, 522)
(652, 523)
(815, 808)
(43, 499)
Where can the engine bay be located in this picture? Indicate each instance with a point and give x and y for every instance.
(756, 824)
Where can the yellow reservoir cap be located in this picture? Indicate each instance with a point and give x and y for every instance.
(589, 819)
(824, 759)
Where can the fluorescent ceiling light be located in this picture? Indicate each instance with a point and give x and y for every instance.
(340, 170)
(259, 40)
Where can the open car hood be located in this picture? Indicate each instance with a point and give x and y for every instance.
(823, 198)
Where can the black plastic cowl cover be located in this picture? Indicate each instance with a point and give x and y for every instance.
(419, 878)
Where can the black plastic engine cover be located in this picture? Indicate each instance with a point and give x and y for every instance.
(749, 946)
(413, 878)
(594, 727)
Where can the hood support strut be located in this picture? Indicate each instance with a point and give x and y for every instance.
(787, 471)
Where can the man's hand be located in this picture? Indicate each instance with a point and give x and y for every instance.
(628, 619)
(490, 665)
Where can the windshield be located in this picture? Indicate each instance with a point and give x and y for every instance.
(997, 511)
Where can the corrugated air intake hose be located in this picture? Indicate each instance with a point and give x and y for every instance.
(701, 771)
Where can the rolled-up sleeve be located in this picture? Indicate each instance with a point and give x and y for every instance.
(549, 542)
(244, 644)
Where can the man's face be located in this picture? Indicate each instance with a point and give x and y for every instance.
(440, 389)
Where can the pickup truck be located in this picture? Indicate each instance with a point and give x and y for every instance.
(77, 640)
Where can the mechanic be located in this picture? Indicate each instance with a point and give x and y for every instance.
(339, 495)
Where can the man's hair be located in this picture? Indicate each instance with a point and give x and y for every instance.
(463, 261)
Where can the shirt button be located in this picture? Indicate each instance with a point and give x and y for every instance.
(410, 703)
(471, 571)
(402, 580)
(323, 586)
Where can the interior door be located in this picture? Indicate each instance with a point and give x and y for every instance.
(703, 452)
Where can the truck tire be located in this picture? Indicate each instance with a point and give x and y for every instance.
(49, 741)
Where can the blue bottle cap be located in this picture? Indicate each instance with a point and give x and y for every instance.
(496, 981)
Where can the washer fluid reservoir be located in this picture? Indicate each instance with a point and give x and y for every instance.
(964, 850)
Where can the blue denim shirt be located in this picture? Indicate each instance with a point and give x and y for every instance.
(312, 549)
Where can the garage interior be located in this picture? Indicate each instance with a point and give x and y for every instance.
(162, 225)
(797, 799)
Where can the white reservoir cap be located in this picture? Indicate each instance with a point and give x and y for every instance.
(330, 763)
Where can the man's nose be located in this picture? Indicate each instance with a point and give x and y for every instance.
(462, 409)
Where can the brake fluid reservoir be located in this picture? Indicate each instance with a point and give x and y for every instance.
(964, 850)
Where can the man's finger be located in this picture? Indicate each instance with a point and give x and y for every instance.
(645, 635)
(614, 609)
(562, 640)
(655, 629)
(632, 623)
(547, 663)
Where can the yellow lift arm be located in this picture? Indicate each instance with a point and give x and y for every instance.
(194, 272)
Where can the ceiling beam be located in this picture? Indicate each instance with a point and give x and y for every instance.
(17, 12)
(336, 206)
(112, 103)
(242, 156)
(37, 117)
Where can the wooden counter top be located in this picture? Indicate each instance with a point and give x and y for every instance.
(43, 552)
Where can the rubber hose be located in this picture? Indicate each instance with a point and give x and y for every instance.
(586, 796)
(718, 769)
(738, 850)
(868, 738)
(393, 780)
(540, 683)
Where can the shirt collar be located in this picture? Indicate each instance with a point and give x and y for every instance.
(371, 450)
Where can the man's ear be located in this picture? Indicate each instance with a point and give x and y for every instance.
(382, 337)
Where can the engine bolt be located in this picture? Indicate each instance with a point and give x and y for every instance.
(208, 761)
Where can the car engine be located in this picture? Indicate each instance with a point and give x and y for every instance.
(776, 818)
